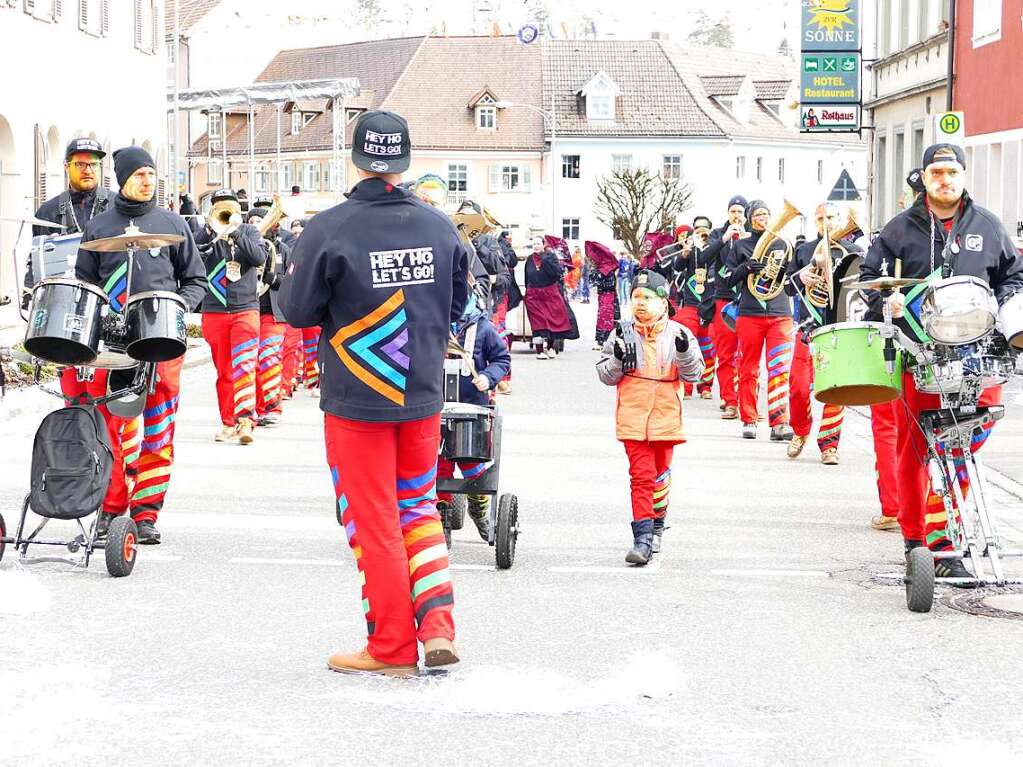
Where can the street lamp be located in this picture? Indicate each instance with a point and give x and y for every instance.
(545, 114)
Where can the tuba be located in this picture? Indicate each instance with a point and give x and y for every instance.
(472, 219)
(273, 217)
(770, 282)
(822, 265)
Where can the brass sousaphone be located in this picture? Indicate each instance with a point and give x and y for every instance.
(472, 219)
(273, 216)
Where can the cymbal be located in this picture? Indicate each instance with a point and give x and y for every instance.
(133, 237)
(33, 221)
(886, 283)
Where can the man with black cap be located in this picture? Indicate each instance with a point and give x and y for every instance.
(913, 244)
(230, 315)
(175, 268)
(720, 242)
(761, 325)
(84, 197)
(384, 275)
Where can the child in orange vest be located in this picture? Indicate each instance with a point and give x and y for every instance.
(647, 360)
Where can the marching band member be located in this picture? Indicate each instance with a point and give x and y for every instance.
(980, 247)
(760, 324)
(385, 297)
(691, 286)
(804, 275)
(720, 242)
(177, 268)
(648, 413)
(272, 329)
(230, 313)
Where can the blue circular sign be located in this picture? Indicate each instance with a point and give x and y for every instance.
(528, 33)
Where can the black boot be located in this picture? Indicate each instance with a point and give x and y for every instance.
(148, 534)
(479, 513)
(910, 544)
(103, 524)
(655, 547)
(642, 542)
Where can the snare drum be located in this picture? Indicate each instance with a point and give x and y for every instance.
(65, 321)
(958, 310)
(945, 375)
(849, 366)
(155, 323)
(467, 432)
(1010, 321)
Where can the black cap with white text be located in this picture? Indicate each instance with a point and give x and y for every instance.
(381, 143)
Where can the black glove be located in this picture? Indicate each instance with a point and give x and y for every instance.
(755, 267)
(682, 342)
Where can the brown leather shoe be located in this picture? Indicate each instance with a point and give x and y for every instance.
(730, 413)
(796, 446)
(881, 522)
(362, 662)
(440, 652)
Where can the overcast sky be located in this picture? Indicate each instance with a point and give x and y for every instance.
(270, 25)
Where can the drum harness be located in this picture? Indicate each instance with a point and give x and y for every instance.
(65, 208)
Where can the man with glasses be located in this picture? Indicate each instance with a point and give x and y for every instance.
(76, 205)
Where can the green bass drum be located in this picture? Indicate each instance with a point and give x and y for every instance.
(849, 366)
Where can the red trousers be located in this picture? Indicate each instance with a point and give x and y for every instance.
(234, 342)
(883, 426)
(268, 365)
(311, 359)
(143, 447)
(689, 317)
(727, 343)
(292, 354)
(922, 514)
(650, 477)
(756, 333)
(801, 407)
(385, 483)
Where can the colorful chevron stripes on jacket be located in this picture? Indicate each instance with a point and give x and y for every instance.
(424, 543)
(216, 279)
(116, 287)
(371, 348)
(779, 358)
(243, 376)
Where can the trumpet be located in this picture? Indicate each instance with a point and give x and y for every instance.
(770, 281)
(822, 292)
(701, 236)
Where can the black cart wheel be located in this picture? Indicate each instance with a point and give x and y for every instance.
(121, 546)
(459, 505)
(444, 510)
(3, 534)
(507, 530)
(920, 580)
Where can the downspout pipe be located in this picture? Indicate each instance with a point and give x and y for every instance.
(951, 53)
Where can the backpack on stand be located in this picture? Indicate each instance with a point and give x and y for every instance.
(71, 463)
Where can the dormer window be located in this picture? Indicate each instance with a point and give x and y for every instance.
(486, 117)
(213, 124)
(296, 122)
(600, 94)
(726, 102)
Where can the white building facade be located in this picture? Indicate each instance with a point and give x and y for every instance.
(46, 100)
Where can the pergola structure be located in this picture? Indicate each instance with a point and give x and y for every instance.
(279, 93)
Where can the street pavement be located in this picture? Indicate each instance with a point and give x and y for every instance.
(764, 634)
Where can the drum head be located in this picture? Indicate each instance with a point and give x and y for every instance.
(156, 349)
(858, 394)
(61, 351)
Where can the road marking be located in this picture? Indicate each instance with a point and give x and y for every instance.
(780, 573)
(655, 567)
(304, 562)
(471, 567)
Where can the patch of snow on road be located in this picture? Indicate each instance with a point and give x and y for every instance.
(505, 691)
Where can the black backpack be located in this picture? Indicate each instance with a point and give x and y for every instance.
(71, 462)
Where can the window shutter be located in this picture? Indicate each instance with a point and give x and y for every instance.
(495, 178)
(138, 24)
(154, 42)
(104, 13)
(30, 6)
(161, 192)
(58, 9)
(527, 178)
(83, 15)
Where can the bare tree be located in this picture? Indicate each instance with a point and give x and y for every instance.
(712, 32)
(634, 202)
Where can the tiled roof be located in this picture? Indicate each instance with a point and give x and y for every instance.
(434, 92)
(722, 85)
(696, 64)
(653, 102)
(192, 12)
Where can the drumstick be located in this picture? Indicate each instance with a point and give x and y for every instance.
(898, 268)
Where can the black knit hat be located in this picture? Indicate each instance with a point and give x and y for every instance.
(130, 159)
(754, 206)
(651, 281)
(738, 200)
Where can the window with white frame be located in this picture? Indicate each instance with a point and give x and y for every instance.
(486, 117)
(262, 178)
(287, 176)
(820, 171)
(672, 166)
(740, 167)
(44, 10)
(296, 122)
(987, 22)
(570, 228)
(621, 163)
(310, 176)
(760, 169)
(213, 124)
(781, 170)
(147, 26)
(510, 178)
(458, 182)
(570, 165)
(600, 106)
(94, 17)
(215, 172)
